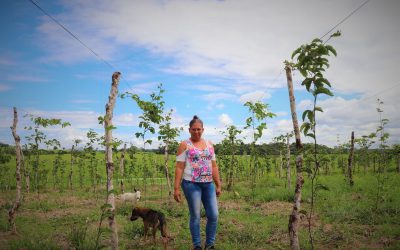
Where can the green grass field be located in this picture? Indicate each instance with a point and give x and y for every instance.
(345, 217)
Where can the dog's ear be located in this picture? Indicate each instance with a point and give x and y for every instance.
(134, 189)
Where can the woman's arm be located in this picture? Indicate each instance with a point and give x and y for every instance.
(215, 175)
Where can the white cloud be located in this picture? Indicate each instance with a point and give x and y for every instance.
(206, 87)
(220, 106)
(304, 104)
(6, 117)
(254, 96)
(143, 88)
(342, 116)
(127, 119)
(61, 47)
(281, 113)
(215, 97)
(241, 40)
(224, 119)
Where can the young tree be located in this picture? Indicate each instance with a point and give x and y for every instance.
(396, 152)
(311, 61)
(350, 161)
(19, 159)
(259, 112)
(231, 141)
(364, 143)
(90, 149)
(382, 139)
(288, 170)
(168, 135)
(151, 117)
(122, 168)
(37, 137)
(280, 141)
(74, 155)
(152, 113)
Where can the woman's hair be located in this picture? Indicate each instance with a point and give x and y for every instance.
(194, 120)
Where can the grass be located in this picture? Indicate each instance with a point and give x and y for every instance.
(345, 217)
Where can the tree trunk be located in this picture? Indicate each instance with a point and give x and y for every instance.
(350, 161)
(231, 167)
(70, 171)
(280, 164)
(27, 181)
(109, 159)
(121, 168)
(294, 216)
(288, 174)
(19, 158)
(166, 169)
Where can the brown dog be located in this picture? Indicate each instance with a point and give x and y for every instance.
(151, 218)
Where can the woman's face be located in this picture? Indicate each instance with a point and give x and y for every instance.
(196, 130)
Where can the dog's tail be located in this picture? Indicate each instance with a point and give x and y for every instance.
(163, 225)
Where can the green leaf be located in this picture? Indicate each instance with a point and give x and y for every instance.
(318, 109)
(305, 113)
(101, 119)
(331, 49)
(303, 72)
(324, 80)
(336, 34)
(310, 135)
(297, 51)
(65, 124)
(305, 127)
(310, 116)
(316, 40)
(323, 90)
(110, 127)
(307, 81)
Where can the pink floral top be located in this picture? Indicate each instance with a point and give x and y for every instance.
(198, 166)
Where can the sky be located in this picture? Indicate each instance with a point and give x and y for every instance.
(211, 57)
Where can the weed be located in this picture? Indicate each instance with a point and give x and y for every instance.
(77, 235)
(33, 244)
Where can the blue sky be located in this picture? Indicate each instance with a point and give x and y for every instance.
(210, 56)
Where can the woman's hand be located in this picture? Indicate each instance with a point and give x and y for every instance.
(177, 195)
(218, 191)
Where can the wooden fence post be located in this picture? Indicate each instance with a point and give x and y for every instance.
(294, 216)
(109, 159)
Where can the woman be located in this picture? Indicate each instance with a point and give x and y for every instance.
(195, 171)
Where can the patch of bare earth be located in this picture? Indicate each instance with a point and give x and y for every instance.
(230, 205)
(276, 207)
(61, 206)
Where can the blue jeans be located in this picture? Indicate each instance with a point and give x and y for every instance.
(195, 193)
